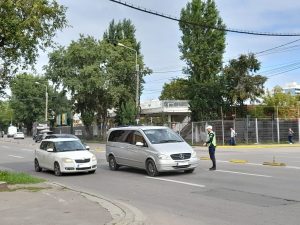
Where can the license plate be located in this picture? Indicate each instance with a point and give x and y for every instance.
(182, 163)
(80, 165)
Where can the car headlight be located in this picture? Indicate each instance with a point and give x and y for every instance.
(67, 160)
(94, 158)
(164, 157)
(194, 155)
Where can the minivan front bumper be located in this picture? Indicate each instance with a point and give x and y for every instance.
(175, 165)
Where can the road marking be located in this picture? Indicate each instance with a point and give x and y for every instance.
(176, 181)
(3, 146)
(248, 174)
(16, 156)
(26, 149)
(293, 167)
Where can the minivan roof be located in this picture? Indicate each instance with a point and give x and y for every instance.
(139, 127)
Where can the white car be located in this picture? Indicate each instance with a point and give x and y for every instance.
(64, 155)
(19, 135)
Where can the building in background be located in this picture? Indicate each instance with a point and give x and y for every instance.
(292, 88)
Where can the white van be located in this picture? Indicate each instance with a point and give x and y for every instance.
(12, 130)
(155, 149)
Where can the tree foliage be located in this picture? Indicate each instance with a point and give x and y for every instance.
(177, 89)
(98, 74)
(6, 115)
(240, 82)
(28, 99)
(202, 49)
(26, 26)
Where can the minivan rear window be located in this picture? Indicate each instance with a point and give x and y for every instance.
(119, 135)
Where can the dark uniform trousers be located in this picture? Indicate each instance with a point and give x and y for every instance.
(212, 150)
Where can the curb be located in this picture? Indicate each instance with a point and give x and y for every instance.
(121, 213)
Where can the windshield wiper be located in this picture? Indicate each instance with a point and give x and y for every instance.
(169, 141)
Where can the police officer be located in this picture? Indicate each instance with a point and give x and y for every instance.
(212, 144)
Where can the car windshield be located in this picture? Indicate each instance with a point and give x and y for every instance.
(159, 136)
(64, 146)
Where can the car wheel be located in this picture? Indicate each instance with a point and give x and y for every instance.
(92, 171)
(57, 171)
(37, 167)
(189, 171)
(151, 168)
(113, 163)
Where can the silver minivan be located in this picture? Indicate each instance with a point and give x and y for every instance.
(153, 148)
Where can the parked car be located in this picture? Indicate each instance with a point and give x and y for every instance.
(19, 135)
(155, 149)
(64, 155)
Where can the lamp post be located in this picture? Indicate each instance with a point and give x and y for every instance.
(137, 99)
(46, 95)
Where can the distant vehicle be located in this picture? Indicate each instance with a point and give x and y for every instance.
(11, 131)
(64, 155)
(19, 135)
(42, 134)
(155, 149)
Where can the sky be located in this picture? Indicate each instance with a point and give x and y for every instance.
(160, 37)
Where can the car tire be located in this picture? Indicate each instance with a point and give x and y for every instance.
(113, 165)
(57, 171)
(189, 171)
(92, 171)
(151, 168)
(37, 167)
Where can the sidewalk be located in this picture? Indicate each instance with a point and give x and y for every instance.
(45, 204)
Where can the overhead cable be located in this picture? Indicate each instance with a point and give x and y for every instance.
(239, 31)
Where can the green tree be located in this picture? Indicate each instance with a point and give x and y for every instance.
(98, 74)
(285, 104)
(126, 113)
(28, 99)
(241, 83)
(202, 49)
(6, 115)
(25, 27)
(177, 89)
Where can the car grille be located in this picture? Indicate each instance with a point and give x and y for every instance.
(82, 160)
(83, 168)
(181, 156)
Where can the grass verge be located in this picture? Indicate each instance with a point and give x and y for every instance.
(19, 178)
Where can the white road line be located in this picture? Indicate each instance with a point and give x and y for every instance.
(248, 174)
(26, 149)
(176, 181)
(293, 167)
(16, 156)
(3, 146)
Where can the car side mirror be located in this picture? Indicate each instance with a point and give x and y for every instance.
(87, 147)
(140, 144)
(50, 150)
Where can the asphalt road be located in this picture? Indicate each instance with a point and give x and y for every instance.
(234, 194)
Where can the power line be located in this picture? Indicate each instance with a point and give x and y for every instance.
(144, 10)
(279, 46)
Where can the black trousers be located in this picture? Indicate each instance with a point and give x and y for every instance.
(211, 150)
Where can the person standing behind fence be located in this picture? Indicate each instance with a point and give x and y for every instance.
(212, 144)
(232, 136)
(290, 136)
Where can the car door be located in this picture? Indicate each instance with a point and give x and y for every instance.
(41, 153)
(137, 154)
(50, 156)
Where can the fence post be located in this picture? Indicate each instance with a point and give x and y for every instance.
(222, 125)
(256, 130)
(299, 129)
(278, 134)
(192, 133)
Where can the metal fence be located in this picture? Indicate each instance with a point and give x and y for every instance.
(249, 130)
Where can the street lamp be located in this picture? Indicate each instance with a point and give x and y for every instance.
(46, 94)
(137, 99)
